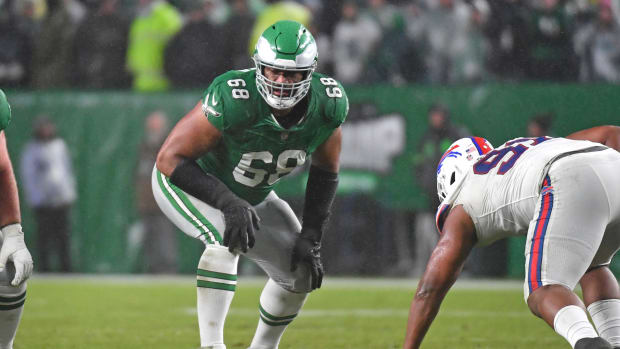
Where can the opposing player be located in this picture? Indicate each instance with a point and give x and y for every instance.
(15, 260)
(565, 194)
(215, 175)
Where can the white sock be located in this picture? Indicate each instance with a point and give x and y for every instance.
(606, 317)
(278, 308)
(572, 323)
(216, 282)
(11, 305)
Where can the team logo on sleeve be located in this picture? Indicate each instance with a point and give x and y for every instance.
(208, 109)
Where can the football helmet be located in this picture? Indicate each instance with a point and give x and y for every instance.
(289, 46)
(455, 163)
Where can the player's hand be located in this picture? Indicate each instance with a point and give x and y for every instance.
(14, 250)
(241, 225)
(308, 251)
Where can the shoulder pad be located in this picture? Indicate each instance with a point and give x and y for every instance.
(225, 103)
(5, 111)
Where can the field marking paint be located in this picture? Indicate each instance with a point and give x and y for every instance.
(403, 313)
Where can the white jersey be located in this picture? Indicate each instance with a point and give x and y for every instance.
(501, 190)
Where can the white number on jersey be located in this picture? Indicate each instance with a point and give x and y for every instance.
(333, 92)
(287, 161)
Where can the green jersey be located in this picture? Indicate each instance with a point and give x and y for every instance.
(255, 150)
(5, 111)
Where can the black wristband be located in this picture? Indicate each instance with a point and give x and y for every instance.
(320, 193)
(189, 177)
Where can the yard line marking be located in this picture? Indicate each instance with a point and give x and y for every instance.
(404, 313)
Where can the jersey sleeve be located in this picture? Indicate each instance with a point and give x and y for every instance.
(221, 107)
(5, 111)
(213, 107)
(336, 102)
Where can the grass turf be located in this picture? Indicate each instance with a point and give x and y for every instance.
(139, 312)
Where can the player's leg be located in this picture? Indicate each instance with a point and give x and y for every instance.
(217, 268)
(568, 227)
(601, 293)
(285, 291)
(11, 306)
(277, 309)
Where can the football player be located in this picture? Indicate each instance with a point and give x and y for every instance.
(15, 260)
(216, 171)
(564, 194)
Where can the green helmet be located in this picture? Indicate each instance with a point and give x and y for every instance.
(289, 46)
(5, 111)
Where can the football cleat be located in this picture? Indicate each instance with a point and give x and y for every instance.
(592, 343)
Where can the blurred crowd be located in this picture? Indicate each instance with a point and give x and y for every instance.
(154, 45)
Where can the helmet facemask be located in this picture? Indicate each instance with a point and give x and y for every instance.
(282, 95)
(290, 47)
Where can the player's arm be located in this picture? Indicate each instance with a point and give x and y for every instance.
(13, 245)
(607, 135)
(9, 199)
(442, 270)
(192, 137)
(320, 193)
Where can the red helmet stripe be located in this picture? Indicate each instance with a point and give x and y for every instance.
(481, 145)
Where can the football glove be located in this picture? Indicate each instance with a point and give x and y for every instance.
(241, 225)
(308, 251)
(14, 250)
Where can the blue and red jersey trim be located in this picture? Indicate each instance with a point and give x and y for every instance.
(534, 271)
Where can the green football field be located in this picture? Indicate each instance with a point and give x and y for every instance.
(149, 312)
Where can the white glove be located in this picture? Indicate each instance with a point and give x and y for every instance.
(14, 249)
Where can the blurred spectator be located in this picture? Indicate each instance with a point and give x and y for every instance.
(355, 37)
(540, 125)
(160, 238)
(454, 43)
(435, 141)
(149, 33)
(598, 47)
(240, 23)
(47, 176)
(188, 59)
(100, 48)
(276, 11)
(551, 55)
(507, 33)
(16, 52)
(394, 52)
(53, 42)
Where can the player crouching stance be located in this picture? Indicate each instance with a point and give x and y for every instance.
(565, 194)
(15, 260)
(216, 171)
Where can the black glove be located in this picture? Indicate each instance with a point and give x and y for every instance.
(241, 225)
(307, 250)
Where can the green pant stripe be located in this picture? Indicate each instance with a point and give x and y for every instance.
(213, 274)
(12, 306)
(195, 212)
(12, 299)
(273, 323)
(273, 317)
(197, 221)
(215, 285)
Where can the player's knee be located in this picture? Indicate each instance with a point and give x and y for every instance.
(301, 282)
(11, 297)
(218, 259)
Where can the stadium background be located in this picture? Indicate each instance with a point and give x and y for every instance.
(103, 127)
